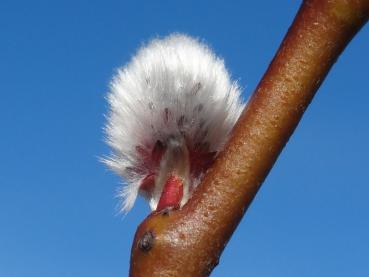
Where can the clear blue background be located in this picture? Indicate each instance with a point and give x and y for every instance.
(57, 206)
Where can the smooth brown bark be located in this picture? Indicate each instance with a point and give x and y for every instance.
(188, 242)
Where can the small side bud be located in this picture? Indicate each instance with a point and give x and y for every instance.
(146, 242)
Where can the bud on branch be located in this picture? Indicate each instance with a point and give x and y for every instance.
(189, 241)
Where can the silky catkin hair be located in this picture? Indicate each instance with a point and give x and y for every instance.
(174, 86)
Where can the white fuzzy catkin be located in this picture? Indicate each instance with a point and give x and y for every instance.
(172, 86)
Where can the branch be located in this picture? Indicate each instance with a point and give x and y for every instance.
(189, 242)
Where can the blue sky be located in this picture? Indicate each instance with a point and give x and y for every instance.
(57, 207)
